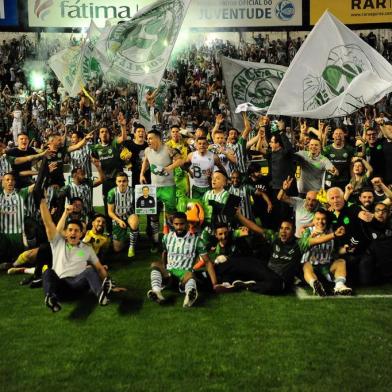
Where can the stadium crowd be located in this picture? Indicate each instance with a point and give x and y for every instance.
(275, 203)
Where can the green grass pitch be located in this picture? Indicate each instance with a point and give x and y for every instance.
(228, 342)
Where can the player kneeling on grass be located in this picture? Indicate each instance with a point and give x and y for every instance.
(121, 210)
(317, 259)
(180, 250)
(75, 264)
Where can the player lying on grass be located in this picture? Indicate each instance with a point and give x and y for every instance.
(317, 259)
(76, 267)
(180, 250)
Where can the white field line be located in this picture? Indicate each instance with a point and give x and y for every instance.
(303, 295)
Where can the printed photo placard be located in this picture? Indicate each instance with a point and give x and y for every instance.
(145, 199)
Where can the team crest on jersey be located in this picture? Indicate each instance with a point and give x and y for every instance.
(345, 155)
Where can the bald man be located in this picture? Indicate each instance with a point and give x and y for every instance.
(304, 208)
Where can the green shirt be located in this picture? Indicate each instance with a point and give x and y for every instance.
(341, 159)
(109, 156)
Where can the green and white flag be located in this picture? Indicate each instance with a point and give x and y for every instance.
(144, 110)
(333, 74)
(252, 83)
(139, 49)
(65, 64)
(76, 65)
(89, 65)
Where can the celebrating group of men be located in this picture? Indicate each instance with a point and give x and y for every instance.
(242, 209)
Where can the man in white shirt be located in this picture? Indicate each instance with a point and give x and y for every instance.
(75, 264)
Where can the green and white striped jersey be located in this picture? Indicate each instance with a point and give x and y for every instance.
(182, 251)
(245, 192)
(220, 197)
(239, 150)
(84, 191)
(31, 210)
(6, 164)
(316, 254)
(123, 202)
(12, 210)
(81, 158)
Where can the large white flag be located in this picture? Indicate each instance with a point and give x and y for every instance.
(89, 65)
(333, 74)
(139, 49)
(76, 65)
(65, 65)
(252, 83)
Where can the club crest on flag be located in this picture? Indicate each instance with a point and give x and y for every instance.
(257, 86)
(333, 74)
(343, 64)
(250, 83)
(138, 46)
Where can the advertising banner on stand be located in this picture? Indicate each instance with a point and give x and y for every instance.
(353, 11)
(202, 14)
(243, 13)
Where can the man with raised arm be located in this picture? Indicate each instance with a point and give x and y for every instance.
(75, 264)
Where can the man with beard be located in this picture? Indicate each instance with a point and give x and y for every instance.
(181, 249)
(108, 153)
(96, 236)
(366, 199)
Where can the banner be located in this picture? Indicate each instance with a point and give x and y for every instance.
(333, 74)
(353, 11)
(9, 13)
(89, 64)
(76, 65)
(78, 13)
(203, 14)
(248, 82)
(65, 65)
(139, 49)
(216, 14)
